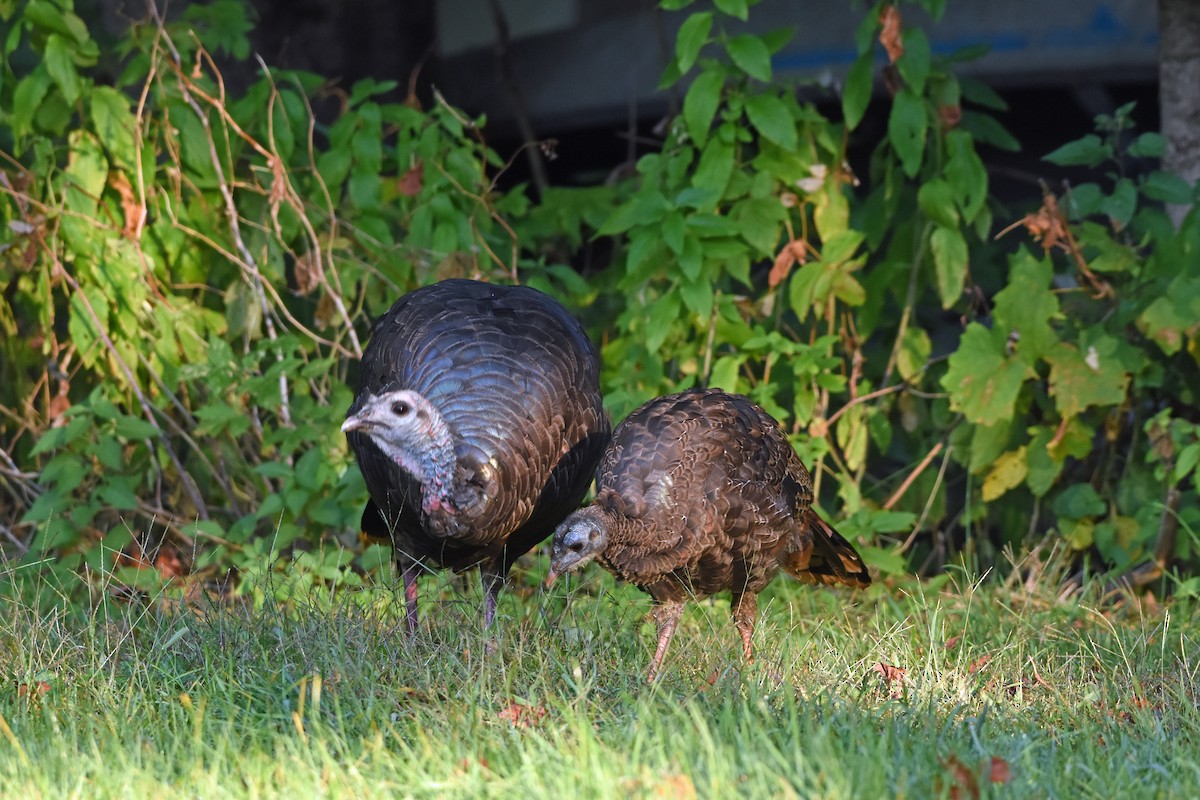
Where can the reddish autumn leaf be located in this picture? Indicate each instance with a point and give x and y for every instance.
(522, 716)
(791, 253)
(894, 677)
(58, 406)
(979, 664)
(952, 642)
(133, 210)
(963, 783)
(949, 116)
(169, 564)
(410, 182)
(889, 36)
(999, 771)
(891, 673)
(33, 690)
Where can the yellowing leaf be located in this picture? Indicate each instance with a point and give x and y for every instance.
(1079, 380)
(1008, 472)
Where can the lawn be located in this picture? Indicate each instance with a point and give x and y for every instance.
(950, 688)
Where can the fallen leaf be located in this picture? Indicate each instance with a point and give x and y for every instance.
(963, 780)
(889, 36)
(952, 642)
(522, 716)
(978, 664)
(32, 690)
(894, 677)
(675, 787)
(999, 771)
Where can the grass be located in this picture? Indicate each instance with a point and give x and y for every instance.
(326, 696)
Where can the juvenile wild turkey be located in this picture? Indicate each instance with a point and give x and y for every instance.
(700, 492)
(477, 426)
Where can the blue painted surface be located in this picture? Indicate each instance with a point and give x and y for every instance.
(1102, 31)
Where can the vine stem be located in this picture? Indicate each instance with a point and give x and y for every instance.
(909, 300)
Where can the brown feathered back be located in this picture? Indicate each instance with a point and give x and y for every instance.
(707, 494)
(701, 492)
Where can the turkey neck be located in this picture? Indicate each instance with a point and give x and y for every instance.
(433, 459)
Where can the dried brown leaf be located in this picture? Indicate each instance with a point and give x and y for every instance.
(675, 787)
(309, 272)
(792, 253)
(949, 116)
(979, 663)
(952, 642)
(894, 677)
(963, 783)
(999, 771)
(889, 36)
(133, 211)
(410, 182)
(522, 716)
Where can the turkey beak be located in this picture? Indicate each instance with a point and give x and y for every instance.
(550, 578)
(357, 422)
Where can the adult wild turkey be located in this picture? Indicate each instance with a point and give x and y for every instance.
(477, 426)
(700, 492)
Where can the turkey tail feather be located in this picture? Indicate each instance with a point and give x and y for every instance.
(829, 560)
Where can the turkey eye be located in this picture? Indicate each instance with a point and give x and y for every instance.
(575, 547)
(399, 408)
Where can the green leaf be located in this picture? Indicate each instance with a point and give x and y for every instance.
(1044, 468)
(1186, 461)
(1166, 187)
(1090, 151)
(662, 316)
(1026, 305)
(724, 373)
(907, 126)
(986, 129)
(1122, 203)
(1148, 145)
(691, 259)
(983, 383)
(913, 66)
(1079, 501)
(856, 95)
(750, 54)
(697, 296)
(60, 62)
(692, 36)
(114, 123)
(950, 261)
(715, 167)
(773, 119)
(734, 8)
(760, 221)
(936, 200)
(1079, 380)
(27, 99)
(966, 174)
(48, 16)
(701, 103)
(134, 428)
(673, 232)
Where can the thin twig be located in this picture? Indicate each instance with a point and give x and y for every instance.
(912, 476)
